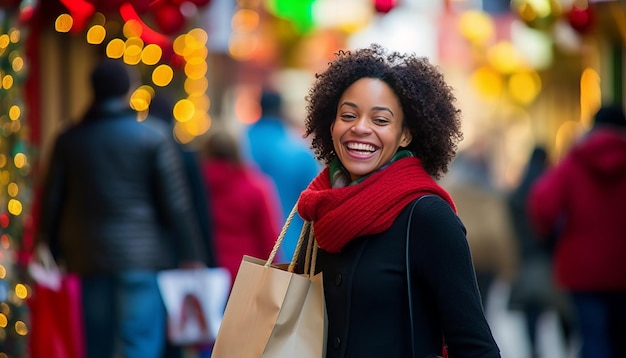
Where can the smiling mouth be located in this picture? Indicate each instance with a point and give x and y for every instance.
(361, 148)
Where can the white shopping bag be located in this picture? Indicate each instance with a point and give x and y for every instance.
(195, 300)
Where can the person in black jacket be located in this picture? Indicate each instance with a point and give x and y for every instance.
(116, 209)
(386, 127)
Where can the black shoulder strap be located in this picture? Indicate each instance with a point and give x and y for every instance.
(408, 268)
(408, 271)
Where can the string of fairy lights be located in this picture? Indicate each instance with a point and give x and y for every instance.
(191, 112)
(15, 193)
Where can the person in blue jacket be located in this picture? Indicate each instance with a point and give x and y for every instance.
(273, 145)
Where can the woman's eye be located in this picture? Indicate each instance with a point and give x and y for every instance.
(348, 116)
(381, 120)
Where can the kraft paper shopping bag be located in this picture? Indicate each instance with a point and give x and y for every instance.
(273, 312)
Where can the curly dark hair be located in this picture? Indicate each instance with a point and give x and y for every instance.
(426, 99)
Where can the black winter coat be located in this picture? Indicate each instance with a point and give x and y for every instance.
(115, 197)
(365, 287)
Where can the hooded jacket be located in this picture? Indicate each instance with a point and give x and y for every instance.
(582, 199)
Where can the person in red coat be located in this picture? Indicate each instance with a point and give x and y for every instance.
(583, 198)
(244, 203)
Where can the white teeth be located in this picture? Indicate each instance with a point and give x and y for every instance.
(361, 147)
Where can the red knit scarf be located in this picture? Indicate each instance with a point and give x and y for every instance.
(342, 214)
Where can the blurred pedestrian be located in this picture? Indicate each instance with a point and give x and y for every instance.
(582, 200)
(273, 145)
(244, 202)
(161, 108)
(385, 126)
(115, 186)
(534, 291)
(482, 208)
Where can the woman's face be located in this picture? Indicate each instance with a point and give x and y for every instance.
(368, 129)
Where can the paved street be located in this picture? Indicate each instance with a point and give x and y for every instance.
(509, 329)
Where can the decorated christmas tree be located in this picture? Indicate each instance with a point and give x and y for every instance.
(15, 189)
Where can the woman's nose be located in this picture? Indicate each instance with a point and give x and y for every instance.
(362, 125)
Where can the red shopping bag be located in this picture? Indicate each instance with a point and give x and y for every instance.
(56, 320)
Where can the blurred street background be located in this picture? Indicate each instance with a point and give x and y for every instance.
(526, 73)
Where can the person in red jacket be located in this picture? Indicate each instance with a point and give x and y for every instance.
(583, 199)
(244, 203)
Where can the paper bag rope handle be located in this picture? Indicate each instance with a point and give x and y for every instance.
(311, 252)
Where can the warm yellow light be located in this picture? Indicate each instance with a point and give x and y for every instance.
(199, 35)
(3, 320)
(179, 44)
(162, 75)
(14, 35)
(184, 110)
(63, 23)
(3, 272)
(524, 86)
(488, 82)
(504, 57)
(200, 102)
(115, 48)
(476, 26)
(181, 134)
(140, 99)
(3, 160)
(21, 291)
(151, 54)
(196, 70)
(197, 55)
(194, 87)
(199, 124)
(135, 41)
(21, 328)
(14, 207)
(96, 34)
(20, 160)
(7, 82)
(17, 64)
(590, 95)
(14, 112)
(13, 190)
(132, 28)
(132, 54)
(4, 41)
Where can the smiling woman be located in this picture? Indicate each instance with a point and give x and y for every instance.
(366, 132)
(386, 126)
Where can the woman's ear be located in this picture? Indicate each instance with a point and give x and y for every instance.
(406, 138)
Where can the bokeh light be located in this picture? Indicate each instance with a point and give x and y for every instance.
(162, 75)
(116, 48)
(96, 34)
(151, 54)
(184, 110)
(63, 23)
(141, 98)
